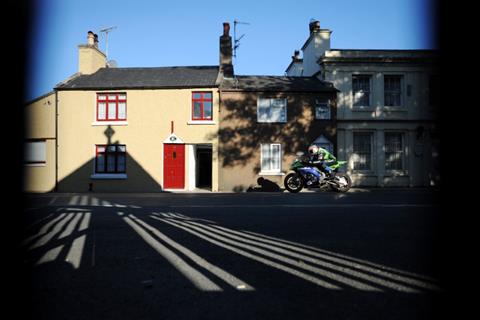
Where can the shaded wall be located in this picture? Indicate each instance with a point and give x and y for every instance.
(241, 136)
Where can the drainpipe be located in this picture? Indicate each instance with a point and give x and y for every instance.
(56, 140)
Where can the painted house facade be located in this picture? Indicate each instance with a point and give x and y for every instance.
(386, 112)
(125, 129)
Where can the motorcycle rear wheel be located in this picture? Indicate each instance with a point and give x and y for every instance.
(343, 183)
(293, 182)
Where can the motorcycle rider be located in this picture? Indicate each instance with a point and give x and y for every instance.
(321, 159)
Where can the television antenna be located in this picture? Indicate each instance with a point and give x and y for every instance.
(236, 42)
(106, 31)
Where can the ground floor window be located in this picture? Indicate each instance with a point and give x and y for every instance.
(271, 157)
(35, 152)
(394, 151)
(362, 151)
(110, 159)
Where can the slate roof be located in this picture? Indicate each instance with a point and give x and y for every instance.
(277, 83)
(144, 78)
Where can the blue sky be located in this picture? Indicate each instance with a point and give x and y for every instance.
(155, 33)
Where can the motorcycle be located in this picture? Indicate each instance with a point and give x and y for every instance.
(306, 175)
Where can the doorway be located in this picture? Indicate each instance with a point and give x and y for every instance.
(204, 167)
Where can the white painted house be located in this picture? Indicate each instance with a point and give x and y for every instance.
(386, 110)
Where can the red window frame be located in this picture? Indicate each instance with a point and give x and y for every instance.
(108, 153)
(202, 100)
(107, 102)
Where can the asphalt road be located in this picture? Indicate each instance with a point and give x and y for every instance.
(367, 254)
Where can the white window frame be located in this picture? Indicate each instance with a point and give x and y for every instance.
(372, 152)
(402, 90)
(324, 105)
(41, 153)
(403, 153)
(271, 102)
(274, 171)
(370, 92)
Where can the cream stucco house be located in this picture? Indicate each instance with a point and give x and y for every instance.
(124, 129)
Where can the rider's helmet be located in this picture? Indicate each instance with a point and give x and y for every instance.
(313, 149)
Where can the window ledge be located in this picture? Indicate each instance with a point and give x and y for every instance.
(362, 109)
(201, 122)
(398, 108)
(109, 123)
(43, 164)
(263, 173)
(109, 176)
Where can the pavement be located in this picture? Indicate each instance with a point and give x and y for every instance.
(365, 254)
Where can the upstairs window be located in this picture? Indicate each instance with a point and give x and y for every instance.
(202, 106)
(393, 90)
(361, 90)
(271, 110)
(322, 110)
(110, 159)
(111, 107)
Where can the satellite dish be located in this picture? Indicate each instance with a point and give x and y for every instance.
(112, 64)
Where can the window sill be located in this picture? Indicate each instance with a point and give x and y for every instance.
(35, 164)
(397, 109)
(362, 109)
(109, 123)
(208, 122)
(396, 173)
(263, 173)
(109, 176)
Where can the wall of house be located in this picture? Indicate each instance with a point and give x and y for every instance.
(241, 136)
(420, 147)
(149, 117)
(40, 125)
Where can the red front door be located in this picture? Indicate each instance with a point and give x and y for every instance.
(173, 166)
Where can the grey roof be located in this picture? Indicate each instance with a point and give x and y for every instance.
(277, 83)
(145, 78)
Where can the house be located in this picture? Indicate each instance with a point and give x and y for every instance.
(172, 128)
(124, 129)
(265, 121)
(387, 109)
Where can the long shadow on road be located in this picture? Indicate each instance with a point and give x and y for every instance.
(126, 262)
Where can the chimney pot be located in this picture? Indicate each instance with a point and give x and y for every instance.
(90, 38)
(226, 29)
(314, 26)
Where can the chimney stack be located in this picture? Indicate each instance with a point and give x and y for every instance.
(90, 58)
(314, 26)
(226, 66)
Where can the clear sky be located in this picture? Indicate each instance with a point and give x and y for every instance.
(155, 33)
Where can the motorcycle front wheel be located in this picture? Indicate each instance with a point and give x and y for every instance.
(293, 182)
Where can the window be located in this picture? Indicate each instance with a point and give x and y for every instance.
(271, 157)
(35, 152)
(393, 90)
(362, 150)
(202, 104)
(361, 90)
(111, 107)
(394, 153)
(110, 159)
(271, 110)
(322, 111)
